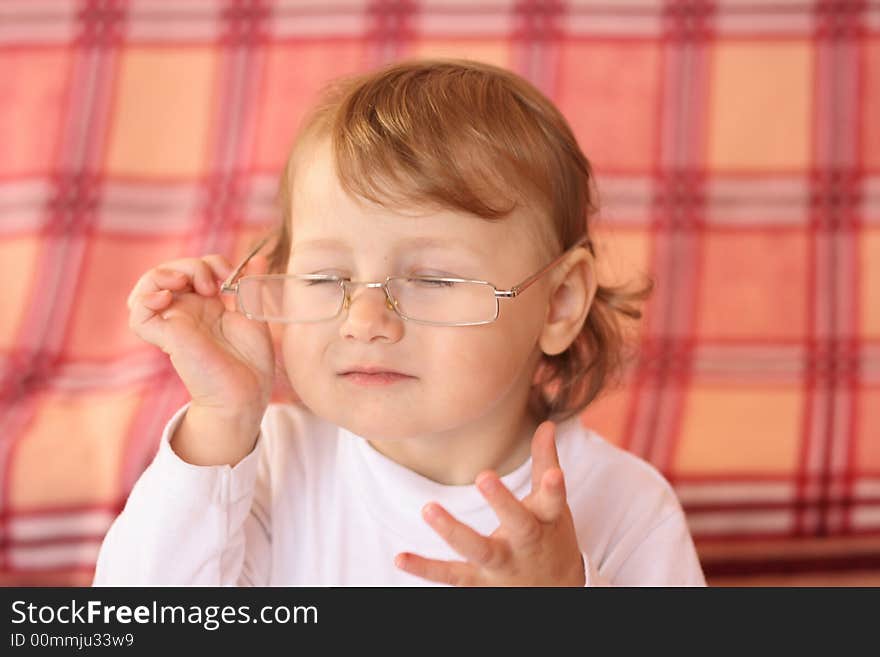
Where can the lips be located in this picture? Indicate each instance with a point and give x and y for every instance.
(371, 369)
(374, 377)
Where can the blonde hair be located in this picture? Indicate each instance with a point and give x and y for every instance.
(466, 135)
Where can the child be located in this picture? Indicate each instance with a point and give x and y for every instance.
(438, 437)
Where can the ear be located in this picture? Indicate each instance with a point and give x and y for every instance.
(571, 296)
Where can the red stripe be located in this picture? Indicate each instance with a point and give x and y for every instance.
(74, 568)
(734, 477)
(48, 510)
(7, 543)
(855, 321)
(779, 539)
(809, 383)
(719, 507)
(792, 565)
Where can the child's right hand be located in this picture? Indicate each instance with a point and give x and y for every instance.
(225, 360)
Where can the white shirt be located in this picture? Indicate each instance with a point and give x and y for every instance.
(314, 504)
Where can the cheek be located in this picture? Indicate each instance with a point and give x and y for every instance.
(464, 366)
(477, 363)
(301, 348)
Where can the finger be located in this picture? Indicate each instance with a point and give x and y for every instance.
(544, 454)
(220, 267)
(159, 280)
(154, 281)
(166, 279)
(199, 273)
(476, 548)
(157, 300)
(204, 278)
(142, 318)
(145, 306)
(154, 292)
(454, 573)
(522, 524)
(551, 499)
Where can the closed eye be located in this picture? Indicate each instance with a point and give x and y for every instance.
(431, 282)
(331, 279)
(437, 274)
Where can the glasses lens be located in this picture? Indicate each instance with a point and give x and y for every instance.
(444, 301)
(280, 298)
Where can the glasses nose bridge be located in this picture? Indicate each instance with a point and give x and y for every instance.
(390, 302)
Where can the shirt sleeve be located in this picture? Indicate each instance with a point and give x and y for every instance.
(186, 524)
(666, 556)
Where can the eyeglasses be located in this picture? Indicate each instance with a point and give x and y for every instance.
(432, 300)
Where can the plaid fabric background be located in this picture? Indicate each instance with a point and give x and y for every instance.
(737, 148)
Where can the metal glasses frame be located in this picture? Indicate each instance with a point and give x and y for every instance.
(230, 285)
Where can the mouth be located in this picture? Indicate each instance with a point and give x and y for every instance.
(374, 377)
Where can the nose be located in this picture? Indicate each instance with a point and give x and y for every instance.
(368, 320)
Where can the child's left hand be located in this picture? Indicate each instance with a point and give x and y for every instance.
(535, 545)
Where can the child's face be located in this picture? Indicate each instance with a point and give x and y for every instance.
(461, 374)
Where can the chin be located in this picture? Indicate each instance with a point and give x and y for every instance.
(376, 422)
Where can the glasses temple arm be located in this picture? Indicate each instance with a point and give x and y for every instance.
(516, 289)
(229, 284)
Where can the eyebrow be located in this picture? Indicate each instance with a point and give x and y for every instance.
(332, 244)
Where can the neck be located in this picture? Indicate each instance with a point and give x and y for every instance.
(456, 456)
